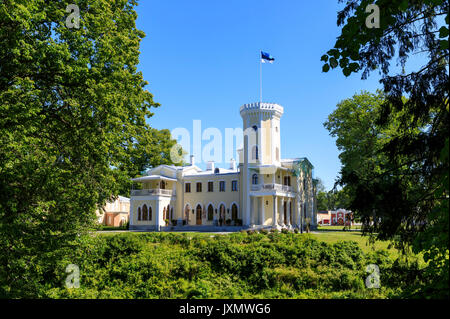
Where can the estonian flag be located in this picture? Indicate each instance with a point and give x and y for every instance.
(266, 57)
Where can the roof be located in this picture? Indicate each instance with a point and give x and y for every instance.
(123, 199)
(153, 178)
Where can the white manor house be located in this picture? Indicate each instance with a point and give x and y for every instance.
(262, 191)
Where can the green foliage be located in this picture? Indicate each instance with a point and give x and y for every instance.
(405, 185)
(393, 200)
(73, 127)
(239, 265)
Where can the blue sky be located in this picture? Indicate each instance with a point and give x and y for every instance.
(201, 59)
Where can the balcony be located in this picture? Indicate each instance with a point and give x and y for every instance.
(152, 191)
(270, 187)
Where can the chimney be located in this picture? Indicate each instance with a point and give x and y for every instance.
(192, 160)
(233, 164)
(210, 166)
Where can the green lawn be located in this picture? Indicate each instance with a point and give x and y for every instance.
(332, 237)
(326, 227)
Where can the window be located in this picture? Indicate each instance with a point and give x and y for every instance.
(222, 186)
(216, 170)
(163, 185)
(187, 187)
(210, 186)
(139, 214)
(210, 212)
(199, 187)
(234, 186)
(234, 212)
(255, 179)
(144, 212)
(255, 152)
(287, 180)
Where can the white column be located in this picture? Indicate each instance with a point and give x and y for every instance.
(288, 211)
(131, 212)
(274, 221)
(262, 213)
(261, 181)
(253, 215)
(247, 212)
(280, 211)
(157, 221)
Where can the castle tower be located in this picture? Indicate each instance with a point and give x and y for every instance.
(261, 122)
(262, 146)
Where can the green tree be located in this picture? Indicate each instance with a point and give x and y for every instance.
(388, 199)
(406, 28)
(74, 109)
(151, 149)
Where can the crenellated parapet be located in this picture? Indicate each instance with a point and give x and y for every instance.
(262, 107)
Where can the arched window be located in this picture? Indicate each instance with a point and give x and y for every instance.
(210, 212)
(149, 213)
(144, 212)
(187, 209)
(163, 185)
(234, 212)
(255, 152)
(198, 215)
(139, 214)
(255, 179)
(222, 213)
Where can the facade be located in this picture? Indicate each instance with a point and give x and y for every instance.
(262, 191)
(115, 213)
(338, 217)
(324, 217)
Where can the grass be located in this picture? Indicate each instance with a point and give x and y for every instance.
(328, 227)
(332, 237)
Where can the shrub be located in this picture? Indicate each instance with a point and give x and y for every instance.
(264, 265)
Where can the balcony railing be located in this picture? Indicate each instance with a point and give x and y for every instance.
(152, 191)
(276, 187)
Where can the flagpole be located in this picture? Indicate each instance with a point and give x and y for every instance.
(260, 78)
